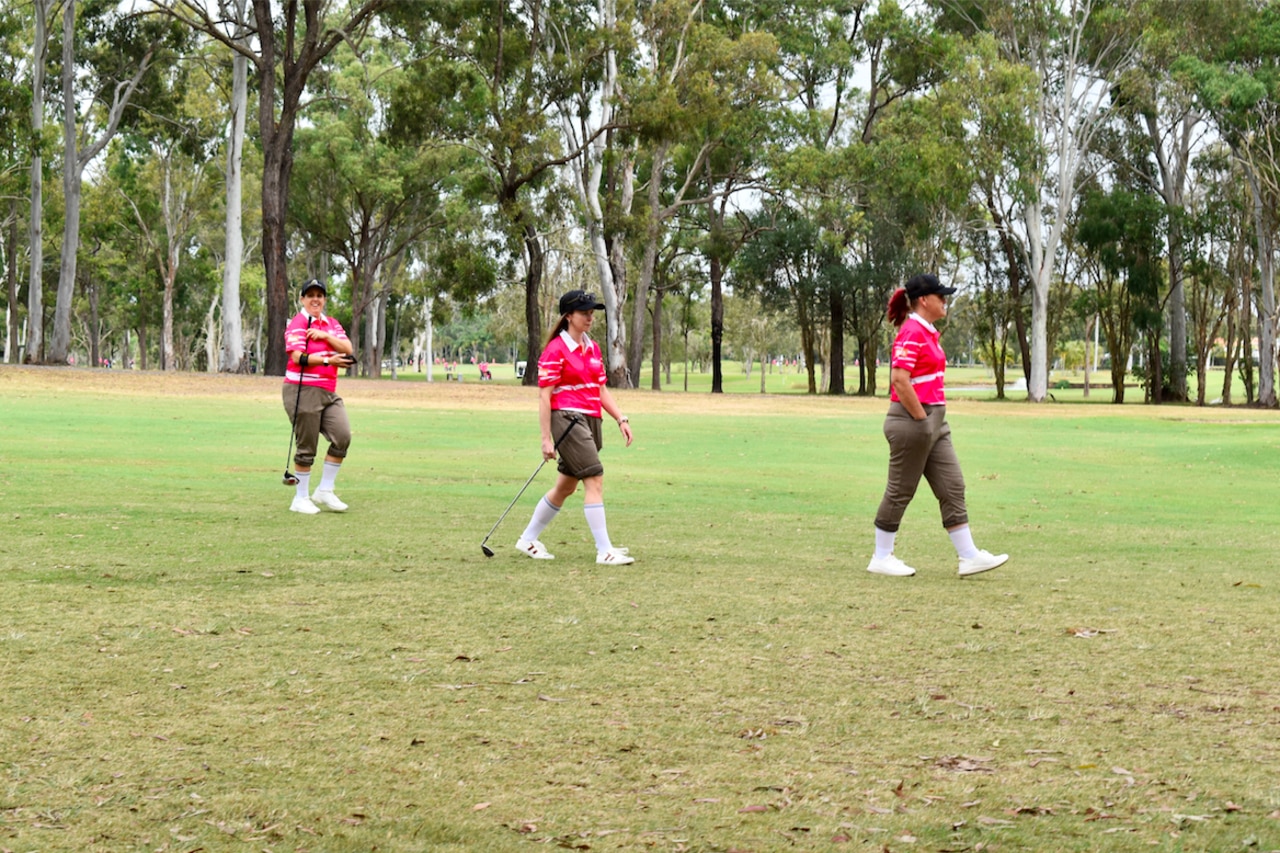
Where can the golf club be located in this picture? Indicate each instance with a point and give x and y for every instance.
(488, 552)
(290, 478)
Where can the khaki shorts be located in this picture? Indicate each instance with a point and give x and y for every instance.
(579, 450)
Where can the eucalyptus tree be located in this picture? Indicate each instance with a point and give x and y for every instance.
(1239, 86)
(599, 45)
(791, 269)
(1119, 230)
(287, 41)
(43, 11)
(1076, 49)
(698, 83)
(109, 52)
(368, 191)
(13, 156)
(488, 74)
(1161, 109)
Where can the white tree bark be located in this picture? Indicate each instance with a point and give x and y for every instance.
(1268, 319)
(597, 111)
(232, 334)
(34, 336)
(1074, 91)
(73, 165)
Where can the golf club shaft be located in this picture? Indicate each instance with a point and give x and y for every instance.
(297, 401)
(572, 422)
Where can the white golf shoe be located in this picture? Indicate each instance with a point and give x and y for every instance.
(326, 499)
(534, 549)
(891, 566)
(614, 557)
(303, 504)
(983, 561)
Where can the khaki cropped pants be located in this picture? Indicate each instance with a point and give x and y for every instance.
(921, 448)
(320, 412)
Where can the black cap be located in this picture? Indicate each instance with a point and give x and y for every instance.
(579, 300)
(924, 284)
(313, 284)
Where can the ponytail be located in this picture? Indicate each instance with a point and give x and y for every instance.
(562, 326)
(899, 307)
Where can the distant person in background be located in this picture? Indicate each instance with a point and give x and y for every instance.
(317, 346)
(572, 398)
(918, 434)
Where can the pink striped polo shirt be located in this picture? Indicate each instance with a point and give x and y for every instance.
(295, 340)
(574, 372)
(916, 349)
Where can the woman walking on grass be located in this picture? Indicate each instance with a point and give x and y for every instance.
(918, 434)
(571, 399)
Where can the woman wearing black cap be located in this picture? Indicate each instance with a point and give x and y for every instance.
(571, 400)
(317, 346)
(918, 434)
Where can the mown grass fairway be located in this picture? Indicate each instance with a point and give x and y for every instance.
(188, 666)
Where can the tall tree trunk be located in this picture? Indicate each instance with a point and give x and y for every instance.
(656, 384)
(34, 350)
(532, 306)
(836, 384)
(232, 355)
(11, 281)
(73, 164)
(717, 324)
(95, 356)
(71, 192)
(1264, 227)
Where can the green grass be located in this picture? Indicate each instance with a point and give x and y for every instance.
(188, 666)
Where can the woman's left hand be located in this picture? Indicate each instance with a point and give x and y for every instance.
(626, 431)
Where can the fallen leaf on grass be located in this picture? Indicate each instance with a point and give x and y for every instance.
(752, 809)
(1231, 807)
(542, 697)
(479, 806)
(964, 764)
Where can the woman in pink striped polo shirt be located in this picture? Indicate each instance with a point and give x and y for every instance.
(918, 434)
(571, 400)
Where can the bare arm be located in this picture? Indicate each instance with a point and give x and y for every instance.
(544, 423)
(607, 403)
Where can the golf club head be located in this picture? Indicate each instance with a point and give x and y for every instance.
(488, 552)
(289, 478)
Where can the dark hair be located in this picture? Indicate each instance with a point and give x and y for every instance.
(899, 307)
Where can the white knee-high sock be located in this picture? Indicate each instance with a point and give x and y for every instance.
(304, 484)
(543, 514)
(595, 520)
(962, 539)
(884, 542)
(329, 476)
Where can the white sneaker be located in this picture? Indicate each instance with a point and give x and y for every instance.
(890, 565)
(534, 549)
(303, 504)
(326, 499)
(615, 557)
(983, 561)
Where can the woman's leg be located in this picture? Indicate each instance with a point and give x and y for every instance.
(545, 512)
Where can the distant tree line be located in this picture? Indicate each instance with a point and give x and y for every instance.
(171, 170)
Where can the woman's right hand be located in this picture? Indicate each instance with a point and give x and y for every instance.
(548, 448)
